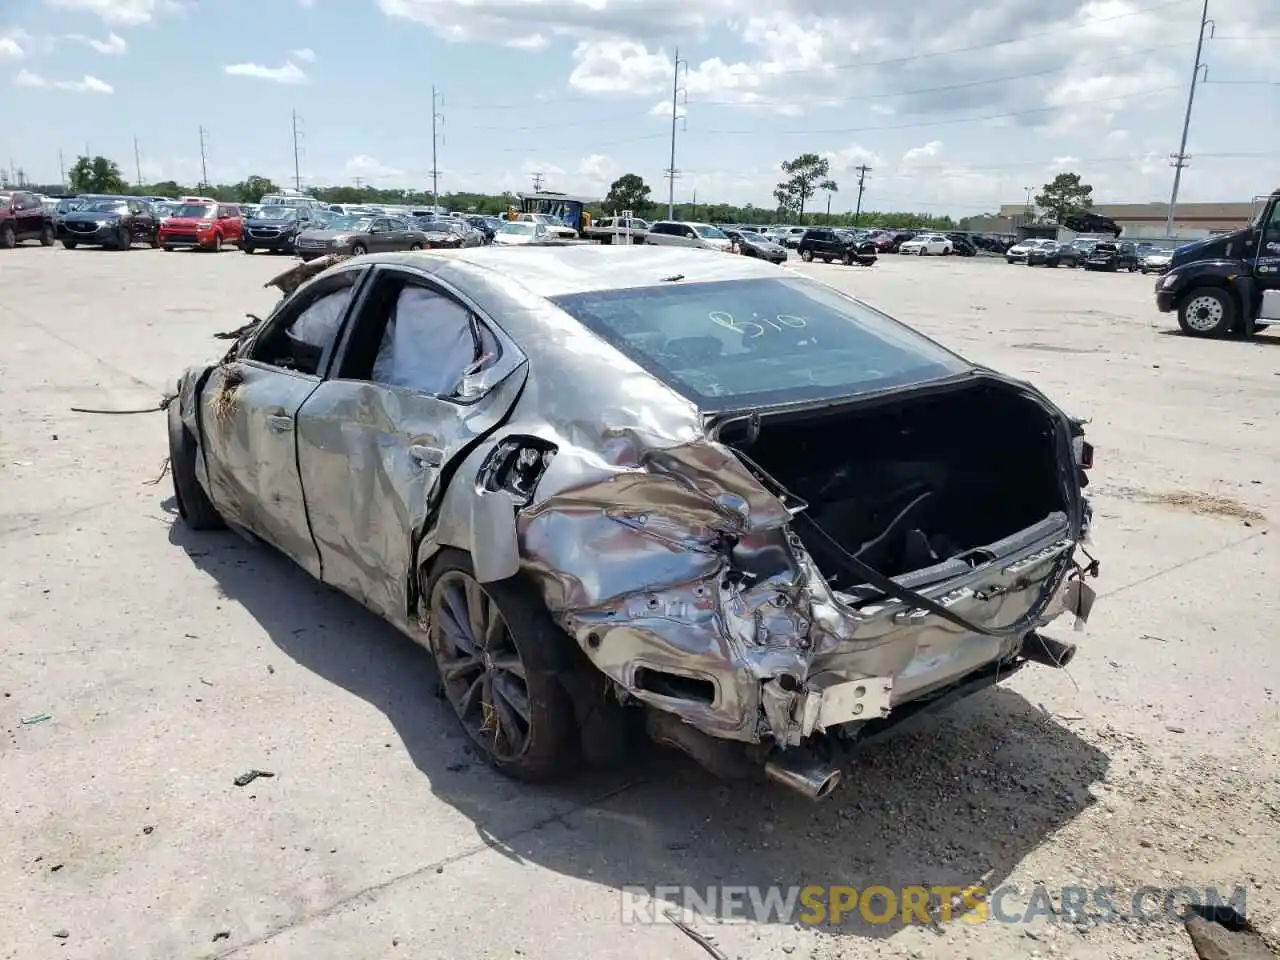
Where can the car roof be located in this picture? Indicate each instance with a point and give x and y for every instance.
(557, 271)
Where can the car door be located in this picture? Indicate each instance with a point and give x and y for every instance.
(28, 215)
(381, 236)
(1266, 266)
(249, 409)
(235, 224)
(419, 376)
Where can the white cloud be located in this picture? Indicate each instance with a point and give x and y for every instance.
(288, 73)
(531, 41)
(612, 66)
(366, 167)
(13, 44)
(926, 152)
(86, 84)
(305, 55)
(113, 46)
(847, 158)
(124, 12)
(306, 4)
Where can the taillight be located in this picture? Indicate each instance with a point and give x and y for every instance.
(516, 465)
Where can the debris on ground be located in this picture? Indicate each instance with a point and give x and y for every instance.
(38, 718)
(148, 830)
(696, 937)
(61, 934)
(1220, 933)
(247, 778)
(222, 935)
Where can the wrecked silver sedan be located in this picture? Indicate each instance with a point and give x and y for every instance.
(614, 483)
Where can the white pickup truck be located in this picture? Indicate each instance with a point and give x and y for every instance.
(617, 230)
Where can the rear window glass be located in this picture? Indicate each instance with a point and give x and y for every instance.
(760, 341)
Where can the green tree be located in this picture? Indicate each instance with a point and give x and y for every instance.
(1063, 196)
(96, 175)
(253, 189)
(806, 175)
(628, 192)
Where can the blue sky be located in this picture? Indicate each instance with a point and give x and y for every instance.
(955, 107)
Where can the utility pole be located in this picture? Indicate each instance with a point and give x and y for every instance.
(672, 172)
(436, 115)
(204, 163)
(62, 170)
(297, 167)
(137, 161)
(863, 170)
(538, 178)
(359, 182)
(695, 203)
(1026, 205)
(1179, 159)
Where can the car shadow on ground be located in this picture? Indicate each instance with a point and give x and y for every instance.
(958, 799)
(1259, 339)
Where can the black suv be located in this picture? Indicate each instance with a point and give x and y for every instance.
(827, 244)
(276, 228)
(1111, 257)
(116, 223)
(22, 217)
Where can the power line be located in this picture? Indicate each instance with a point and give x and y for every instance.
(940, 123)
(892, 61)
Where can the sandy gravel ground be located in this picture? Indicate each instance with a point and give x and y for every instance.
(168, 663)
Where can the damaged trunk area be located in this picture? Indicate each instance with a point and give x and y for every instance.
(919, 487)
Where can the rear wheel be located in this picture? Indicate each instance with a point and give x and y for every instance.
(8, 239)
(124, 239)
(496, 649)
(46, 236)
(194, 506)
(847, 259)
(155, 242)
(1206, 312)
(217, 243)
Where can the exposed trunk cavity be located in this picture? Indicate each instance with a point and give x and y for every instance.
(922, 487)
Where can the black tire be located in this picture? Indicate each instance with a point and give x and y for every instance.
(69, 244)
(8, 239)
(847, 259)
(217, 243)
(806, 256)
(154, 242)
(359, 249)
(194, 506)
(826, 259)
(244, 249)
(46, 236)
(415, 246)
(124, 239)
(551, 741)
(1207, 312)
(168, 248)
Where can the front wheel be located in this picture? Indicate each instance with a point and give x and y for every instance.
(46, 236)
(920, 252)
(1206, 312)
(806, 256)
(246, 249)
(8, 238)
(69, 244)
(194, 506)
(496, 649)
(155, 242)
(359, 249)
(124, 241)
(217, 243)
(415, 246)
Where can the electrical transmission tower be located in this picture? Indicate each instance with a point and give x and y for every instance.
(538, 179)
(1179, 160)
(863, 170)
(436, 118)
(676, 93)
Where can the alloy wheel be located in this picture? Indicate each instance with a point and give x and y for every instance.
(481, 670)
(1204, 314)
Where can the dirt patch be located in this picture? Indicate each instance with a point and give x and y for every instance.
(1053, 348)
(1202, 504)
(224, 402)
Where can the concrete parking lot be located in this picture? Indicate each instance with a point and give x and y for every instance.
(165, 664)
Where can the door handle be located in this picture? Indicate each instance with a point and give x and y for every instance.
(426, 456)
(280, 422)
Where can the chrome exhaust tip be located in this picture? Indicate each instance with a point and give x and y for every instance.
(1047, 651)
(804, 774)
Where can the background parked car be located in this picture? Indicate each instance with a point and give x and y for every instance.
(202, 224)
(356, 236)
(928, 245)
(275, 229)
(116, 223)
(677, 233)
(828, 244)
(23, 217)
(1056, 254)
(1111, 257)
(751, 244)
(1019, 251)
(888, 241)
(520, 233)
(962, 245)
(554, 224)
(1155, 260)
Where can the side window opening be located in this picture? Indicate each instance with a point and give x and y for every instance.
(300, 343)
(420, 340)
